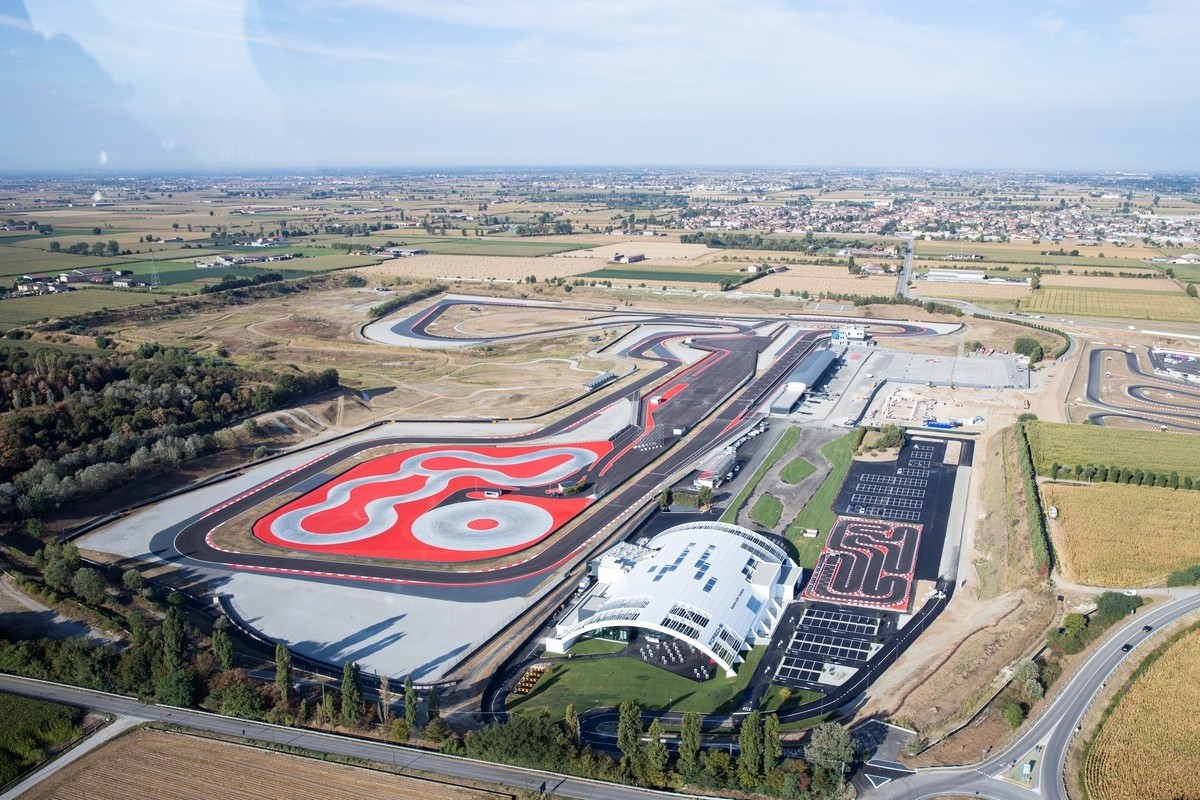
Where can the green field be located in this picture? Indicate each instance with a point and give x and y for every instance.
(18, 261)
(606, 682)
(767, 510)
(1122, 304)
(487, 246)
(31, 729)
(1123, 447)
(819, 511)
(785, 443)
(23, 310)
(797, 470)
(661, 275)
(997, 253)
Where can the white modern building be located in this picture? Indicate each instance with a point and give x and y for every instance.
(717, 587)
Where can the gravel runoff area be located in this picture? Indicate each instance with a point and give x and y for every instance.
(387, 628)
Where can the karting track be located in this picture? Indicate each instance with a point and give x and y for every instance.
(1117, 382)
(867, 563)
(425, 505)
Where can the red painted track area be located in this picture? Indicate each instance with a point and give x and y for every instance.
(417, 505)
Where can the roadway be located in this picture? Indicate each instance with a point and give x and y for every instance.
(1054, 728)
(405, 759)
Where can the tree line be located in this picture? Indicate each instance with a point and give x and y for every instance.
(1093, 473)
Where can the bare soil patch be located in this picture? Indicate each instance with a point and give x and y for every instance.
(972, 291)
(828, 280)
(150, 763)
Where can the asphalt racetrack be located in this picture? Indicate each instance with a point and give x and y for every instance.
(1117, 383)
(616, 480)
(867, 563)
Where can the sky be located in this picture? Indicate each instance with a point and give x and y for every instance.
(132, 85)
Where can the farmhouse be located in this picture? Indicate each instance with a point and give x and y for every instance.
(719, 588)
(88, 275)
(621, 258)
(405, 252)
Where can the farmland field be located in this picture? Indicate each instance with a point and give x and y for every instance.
(489, 246)
(1110, 534)
(31, 728)
(663, 274)
(823, 279)
(1095, 444)
(971, 291)
(1029, 253)
(159, 764)
(477, 268)
(23, 310)
(1147, 747)
(18, 261)
(1167, 306)
(1151, 284)
(654, 249)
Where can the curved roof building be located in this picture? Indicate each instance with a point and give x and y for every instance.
(720, 588)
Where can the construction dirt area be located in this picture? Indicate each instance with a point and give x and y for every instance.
(151, 763)
(318, 329)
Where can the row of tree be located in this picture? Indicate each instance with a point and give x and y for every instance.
(1115, 474)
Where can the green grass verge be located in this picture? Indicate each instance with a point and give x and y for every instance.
(785, 443)
(606, 682)
(781, 698)
(31, 728)
(797, 470)
(818, 513)
(591, 647)
(767, 510)
(1097, 444)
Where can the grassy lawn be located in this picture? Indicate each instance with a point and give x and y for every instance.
(785, 443)
(591, 647)
(607, 682)
(797, 470)
(819, 511)
(767, 510)
(31, 728)
(781, 698)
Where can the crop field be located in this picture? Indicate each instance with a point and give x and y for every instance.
(490, 246)
(1148, 747)
(1095, 444)
(1167, 306)
(16, 261)
(662, 274)
(1158, 283)
(654, 249)
(23, 310)
(1030, 253)
(971, 291)
(159, 764)
(31, 728)
(816, 280)
(1111, 534)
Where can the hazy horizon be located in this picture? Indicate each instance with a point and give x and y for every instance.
(228, 85)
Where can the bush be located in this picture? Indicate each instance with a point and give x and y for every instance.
(1189, 576)
(1013, 712)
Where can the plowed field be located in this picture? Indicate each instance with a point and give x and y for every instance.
(172, 766)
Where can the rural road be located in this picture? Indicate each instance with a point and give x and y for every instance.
(406, 758)
(1053, 729)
